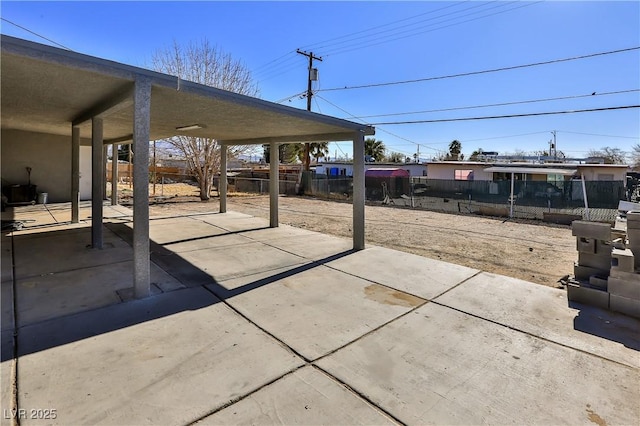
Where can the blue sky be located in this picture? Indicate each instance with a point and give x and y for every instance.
(364, 43)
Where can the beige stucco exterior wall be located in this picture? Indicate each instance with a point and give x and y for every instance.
(49, 157)
(591, 172)
(447, 171)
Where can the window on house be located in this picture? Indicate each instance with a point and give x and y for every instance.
(607, 177)
(463, 174)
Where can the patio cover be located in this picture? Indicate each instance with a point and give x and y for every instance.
(55, 91)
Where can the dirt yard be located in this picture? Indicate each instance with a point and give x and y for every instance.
(535, 252)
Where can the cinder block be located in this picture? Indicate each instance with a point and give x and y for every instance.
(633, 216)
(599, 260)
(623, 287)
(603, 247)
(598, 282)
(625, 305)
(634, 236)
(622, 260)
(587, 295)
(632, 225)
(586, 245)
(629, 276)
(582, 273)
(596, 230)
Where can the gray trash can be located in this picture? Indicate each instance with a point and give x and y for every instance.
(42, 197)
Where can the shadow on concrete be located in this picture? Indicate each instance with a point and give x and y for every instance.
(607, 325)
(70, 328)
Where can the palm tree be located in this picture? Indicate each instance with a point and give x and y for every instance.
(319, 150)
(455, 147)
(374, 148)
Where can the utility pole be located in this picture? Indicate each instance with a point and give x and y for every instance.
(313, 75)
(553, 148)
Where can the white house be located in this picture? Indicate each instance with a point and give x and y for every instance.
(483, 171)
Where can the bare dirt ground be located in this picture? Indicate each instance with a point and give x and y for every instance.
(531, 251)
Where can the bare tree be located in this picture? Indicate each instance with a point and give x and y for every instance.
(205, 64)
(609, 155)
(635, 156)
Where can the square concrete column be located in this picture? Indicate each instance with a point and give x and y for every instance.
(114, 174)
(141, 129)
(75, 174)
(274, 185)
(105, 156)
(358, 191)
(97, 177)
(222, 184)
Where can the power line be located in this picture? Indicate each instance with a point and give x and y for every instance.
(280, 62)
(592, 55)
(374, 28)
(36, 34)
(378, 128)
(596, 134)
(504, 116)
(502, 104)
(424, 29)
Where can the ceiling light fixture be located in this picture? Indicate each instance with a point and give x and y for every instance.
(190, 127)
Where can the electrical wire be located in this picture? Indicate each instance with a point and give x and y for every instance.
(533, 114)
(313, 45)
(423, 30)
(280, 63)
(502, 104)
(466, 74)
(378, 128)
(595, 134)
(36, 34)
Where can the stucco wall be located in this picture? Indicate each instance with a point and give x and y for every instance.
(447, 171)
(49, 157)
(591, 172)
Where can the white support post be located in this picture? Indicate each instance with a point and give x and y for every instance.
(584, 194)
(222, 184)
(97, 177)
(511, 197)
(358, 191)
(114, 174)
(274, 184)
(75, 174)
(105, 155)
(141, 128)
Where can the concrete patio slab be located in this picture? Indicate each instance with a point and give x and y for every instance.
(239, 260)
(63, 250)
(174, 230)
(6, 259)
(189, 234)
(313, 247)
(6, 374)
(168, 359)
(6, 301)
(422, 277)
(543, 311)
(440, 366)
(236, 222)
(53, 295)
(281, 232)
(306, 396)
(315, 309)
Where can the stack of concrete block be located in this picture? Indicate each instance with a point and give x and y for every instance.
(607, 274)
(633, 235)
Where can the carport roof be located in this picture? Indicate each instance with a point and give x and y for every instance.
(47, 89)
